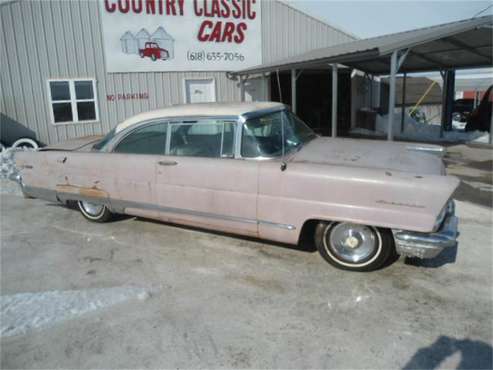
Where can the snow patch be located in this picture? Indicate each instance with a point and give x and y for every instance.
(9, 171)
(7, 164)
(27, 311)
(417, 131)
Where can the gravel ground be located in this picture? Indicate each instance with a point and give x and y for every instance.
(140, 294)
(7, 165)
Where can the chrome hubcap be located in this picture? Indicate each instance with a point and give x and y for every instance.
(351, 242)
(92, 209)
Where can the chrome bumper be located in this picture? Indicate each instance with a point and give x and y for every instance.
(427, 245)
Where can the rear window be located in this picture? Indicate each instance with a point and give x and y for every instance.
(150, 139)
(204, 138)
(105, 140)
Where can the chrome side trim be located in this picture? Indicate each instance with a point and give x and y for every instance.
(120, 135)
(437, 150)
(65, 197)
(121, 205)
(274, 224)
(40, 193)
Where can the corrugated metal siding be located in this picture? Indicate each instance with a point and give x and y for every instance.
(287, 32)
(63, 39)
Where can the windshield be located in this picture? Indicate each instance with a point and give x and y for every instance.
(102, 143)
(274, 135)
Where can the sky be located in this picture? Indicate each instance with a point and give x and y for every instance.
(373, 18)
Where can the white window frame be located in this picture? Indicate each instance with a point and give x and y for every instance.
(186, 79)
(73, 100)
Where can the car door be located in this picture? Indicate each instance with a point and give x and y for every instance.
(199, 182)
(123, 179)
(133, 172)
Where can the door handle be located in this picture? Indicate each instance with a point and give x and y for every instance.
(62, 160)
(167, 163)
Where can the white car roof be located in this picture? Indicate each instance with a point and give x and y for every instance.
(198, 110)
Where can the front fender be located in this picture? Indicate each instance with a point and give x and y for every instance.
(394, 200)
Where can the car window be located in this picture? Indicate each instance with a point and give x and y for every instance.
(296, 132)
(150, 139)
(262, 136)
(101, 144)
(273, 135)
(203, 138)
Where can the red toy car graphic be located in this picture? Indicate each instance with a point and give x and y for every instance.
(153, 51)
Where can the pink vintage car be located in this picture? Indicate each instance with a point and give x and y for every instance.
(257, 170)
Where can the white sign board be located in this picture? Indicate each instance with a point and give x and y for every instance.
(181, 35)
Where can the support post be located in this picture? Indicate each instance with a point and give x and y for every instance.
(490, 141)
(279, 86)
(242, 89)
(444, 101)
(370, 79)
(334, 100)
(450, 98)
(403, 101)
(448, 95)
(293, 90)
(393, 72)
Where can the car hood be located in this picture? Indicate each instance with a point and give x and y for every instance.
(403, 157)
(81, 144)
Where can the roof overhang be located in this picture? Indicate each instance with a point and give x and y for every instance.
(458, 45)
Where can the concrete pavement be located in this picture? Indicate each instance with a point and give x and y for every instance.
(193, 299)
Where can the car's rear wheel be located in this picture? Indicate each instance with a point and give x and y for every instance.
(94, 212)
(141, 54)
(353, 247)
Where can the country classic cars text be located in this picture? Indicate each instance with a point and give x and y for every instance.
(209, 31)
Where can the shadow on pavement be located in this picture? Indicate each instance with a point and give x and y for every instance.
(449, 255)
(474, 354)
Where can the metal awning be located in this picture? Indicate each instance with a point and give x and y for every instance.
(456, 45)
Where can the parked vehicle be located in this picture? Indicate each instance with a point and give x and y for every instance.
(256, 169)
(462, 108)
(153, 51)
(15, 135)
(480, 118)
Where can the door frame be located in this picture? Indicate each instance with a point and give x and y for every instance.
(185, 79)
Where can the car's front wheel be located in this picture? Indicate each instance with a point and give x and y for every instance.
(95, 212)
(25, 143)
(353, 247)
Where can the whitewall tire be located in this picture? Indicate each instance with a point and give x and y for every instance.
(25, 143)
(353, 247)
(94, 212)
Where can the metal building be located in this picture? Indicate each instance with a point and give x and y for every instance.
(54, 61)
(129, 43)
(164, 40)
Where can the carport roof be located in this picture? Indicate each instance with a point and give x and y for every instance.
(461, 44)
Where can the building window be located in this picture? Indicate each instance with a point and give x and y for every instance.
(73, 101)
